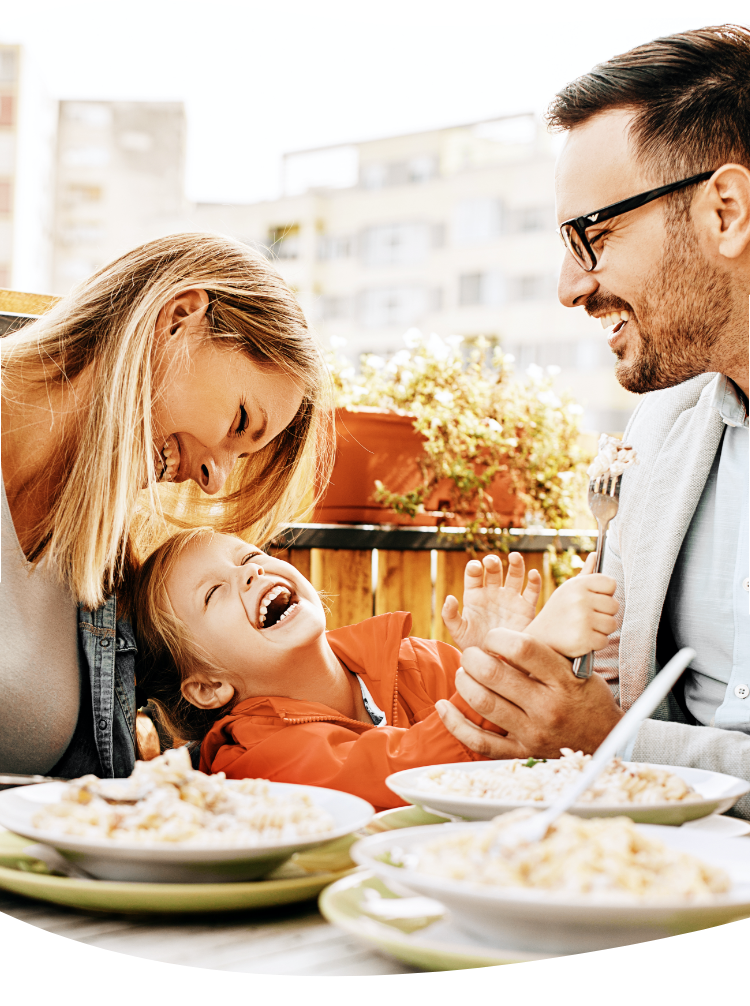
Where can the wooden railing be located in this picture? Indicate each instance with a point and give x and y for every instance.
(365, 570)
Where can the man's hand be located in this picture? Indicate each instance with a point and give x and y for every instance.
(529, 691)
(490, 605)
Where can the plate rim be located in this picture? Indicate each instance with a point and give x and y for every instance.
(176, 854)
(420, 798)
(399, 939)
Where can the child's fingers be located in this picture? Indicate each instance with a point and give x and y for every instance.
(588, 566)
(473, 574)
(450, 613)
(533, 587)
(493, 571)
(516, 572)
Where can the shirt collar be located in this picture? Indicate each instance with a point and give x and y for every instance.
(728, 401)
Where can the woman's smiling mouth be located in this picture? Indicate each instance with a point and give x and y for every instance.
(170, 458)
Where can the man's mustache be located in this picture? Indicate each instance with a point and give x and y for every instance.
(604, 303)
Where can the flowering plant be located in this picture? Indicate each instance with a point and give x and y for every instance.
(478, 420)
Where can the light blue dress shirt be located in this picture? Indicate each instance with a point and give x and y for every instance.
(708, 601)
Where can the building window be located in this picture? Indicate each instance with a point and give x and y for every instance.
(335, 308)
(8, 65)
(416, 170)
(6, 110)
(284, 242)
(6, 204)
(481, 288)
(333, 247)
(535, 288)
(533, 218)
(396, 244)
(477, 220)
(389, 306)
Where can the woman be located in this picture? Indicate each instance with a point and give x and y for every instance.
(178, 386)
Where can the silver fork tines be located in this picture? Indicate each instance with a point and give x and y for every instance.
(604, 499)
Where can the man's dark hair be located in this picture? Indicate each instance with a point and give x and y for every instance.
(690, 93)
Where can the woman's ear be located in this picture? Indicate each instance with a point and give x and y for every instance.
(207, 692)
(185, 311)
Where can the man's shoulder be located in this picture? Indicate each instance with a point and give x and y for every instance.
(668, 404)
(658, 411)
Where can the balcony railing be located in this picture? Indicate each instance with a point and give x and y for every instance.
(366, 569)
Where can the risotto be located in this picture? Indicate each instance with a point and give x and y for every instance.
(167, 801)
(544, 781)
(608, 857)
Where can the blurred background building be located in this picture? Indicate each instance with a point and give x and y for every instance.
(9, 75)
(450, 231)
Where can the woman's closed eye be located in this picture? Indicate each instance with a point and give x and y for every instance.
(242, 422)
(251, 555)
(210, 594)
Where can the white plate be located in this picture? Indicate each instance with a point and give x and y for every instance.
(547, 921)
(172, 863)
(718, 792)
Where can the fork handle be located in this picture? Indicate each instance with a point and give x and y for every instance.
(583, 667)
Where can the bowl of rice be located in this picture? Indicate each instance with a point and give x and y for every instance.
(590, 884)
(650, 794)
(168, 823)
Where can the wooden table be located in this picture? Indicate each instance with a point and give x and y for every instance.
(292, 940)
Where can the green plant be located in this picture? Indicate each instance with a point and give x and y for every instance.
(565, 564)
(479, 420)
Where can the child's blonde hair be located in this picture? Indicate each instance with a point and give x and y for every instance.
(90, 529)
(167, 653)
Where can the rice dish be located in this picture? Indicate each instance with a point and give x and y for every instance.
(613, 458)
(543, 781)
(606, 858)
(167, 801)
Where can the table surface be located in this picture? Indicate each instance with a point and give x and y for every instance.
(290, 940)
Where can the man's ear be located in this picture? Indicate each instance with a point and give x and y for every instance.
(207, 692)
(723, 211)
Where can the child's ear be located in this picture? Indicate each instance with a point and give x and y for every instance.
(207, 692)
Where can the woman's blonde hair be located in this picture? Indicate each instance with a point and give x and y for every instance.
(166, 650)
(99, 516)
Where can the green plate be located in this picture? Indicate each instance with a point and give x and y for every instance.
(404, 817)
(426, 941)
(302, 877)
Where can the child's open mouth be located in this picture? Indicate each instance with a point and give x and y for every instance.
(275, 605)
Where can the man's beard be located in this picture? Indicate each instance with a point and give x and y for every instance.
(683, 313)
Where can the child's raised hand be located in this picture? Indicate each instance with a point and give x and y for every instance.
(488, 604)
(580, 615)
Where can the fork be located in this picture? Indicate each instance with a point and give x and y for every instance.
(604, 499)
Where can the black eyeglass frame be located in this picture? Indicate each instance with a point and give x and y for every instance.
(579, 224)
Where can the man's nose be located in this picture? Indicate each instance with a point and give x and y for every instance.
(575, 285)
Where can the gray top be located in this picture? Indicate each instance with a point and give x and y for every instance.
(707, 600)
(39, 668)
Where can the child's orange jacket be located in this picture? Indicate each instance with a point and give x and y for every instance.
(290, 740)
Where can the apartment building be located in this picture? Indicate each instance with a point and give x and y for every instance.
(9, 80)
(119, 181)
(451, 231)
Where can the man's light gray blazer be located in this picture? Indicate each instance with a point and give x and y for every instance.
(676, 434)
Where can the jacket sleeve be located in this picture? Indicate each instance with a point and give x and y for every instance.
(711, 748)
(335, 756)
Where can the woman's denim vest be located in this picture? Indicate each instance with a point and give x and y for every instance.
(104, 738)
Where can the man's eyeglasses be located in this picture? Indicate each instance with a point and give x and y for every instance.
(573, 232)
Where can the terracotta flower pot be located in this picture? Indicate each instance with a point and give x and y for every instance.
(384, 446)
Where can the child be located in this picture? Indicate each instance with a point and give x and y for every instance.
(237, 657)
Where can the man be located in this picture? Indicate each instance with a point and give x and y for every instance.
(669, 275)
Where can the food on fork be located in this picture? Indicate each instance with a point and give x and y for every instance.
(544, 780)
(605, 858)
(167, 801)
(613, 458)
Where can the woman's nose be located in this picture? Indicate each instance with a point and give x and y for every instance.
(213, 474)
